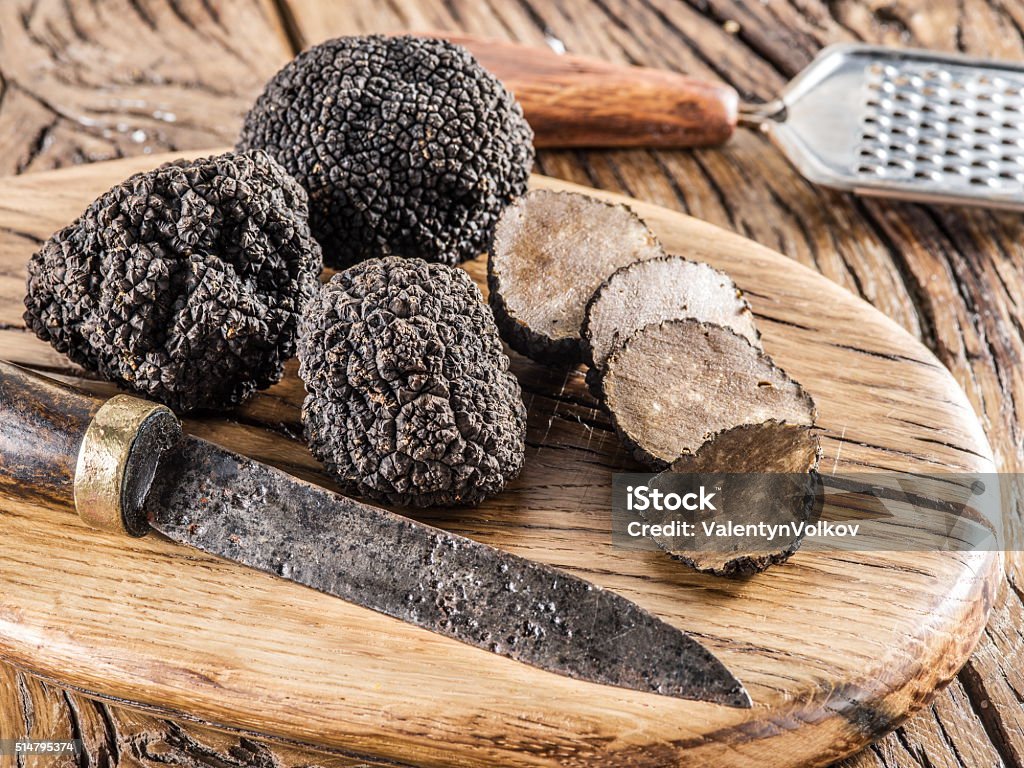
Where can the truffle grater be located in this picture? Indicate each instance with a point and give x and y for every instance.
(901, 123)
(874, 120)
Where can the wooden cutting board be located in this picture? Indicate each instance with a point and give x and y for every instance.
(835, 649)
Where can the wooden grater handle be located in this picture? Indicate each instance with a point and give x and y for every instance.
(572, 101)
(101, 456)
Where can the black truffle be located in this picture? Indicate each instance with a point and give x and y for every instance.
(406, 145)
(550, 252)
(666, 288)
(700, 399)
(409, 397)
(185, 283)
(674, 386)
(767, 474)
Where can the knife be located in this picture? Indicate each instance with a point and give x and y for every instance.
(127, 468)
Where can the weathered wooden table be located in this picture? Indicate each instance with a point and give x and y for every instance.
(83, 81)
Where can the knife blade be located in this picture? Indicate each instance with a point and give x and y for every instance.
(135, 471)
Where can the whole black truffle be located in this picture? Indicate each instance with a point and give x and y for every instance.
(409, 397)
(185, 283)
(406, 145)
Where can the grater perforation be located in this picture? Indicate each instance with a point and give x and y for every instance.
(948, 126)
(904, 123)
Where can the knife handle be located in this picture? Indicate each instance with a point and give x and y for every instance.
(59, 443)
(573, 101)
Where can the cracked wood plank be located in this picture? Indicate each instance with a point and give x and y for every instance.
(116, 737)
(951, 277)
(86, 81)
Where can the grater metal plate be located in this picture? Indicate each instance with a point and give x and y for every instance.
(908, 124)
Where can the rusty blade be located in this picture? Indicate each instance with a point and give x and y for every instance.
(242, 510)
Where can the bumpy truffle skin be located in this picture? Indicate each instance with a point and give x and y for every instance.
(406, 145)
(184, 284)
(409, 397)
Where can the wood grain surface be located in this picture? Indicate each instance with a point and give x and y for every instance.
(835, 648)
(952, 278)
(84, 81)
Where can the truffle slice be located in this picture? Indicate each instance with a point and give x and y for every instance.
(184, 283)
(550, 252)
(673, 387)
(409, 395)
(702, 400)
(763, 473)
(666, 288)
(405, 145)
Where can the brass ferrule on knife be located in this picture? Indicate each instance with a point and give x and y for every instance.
(99, 455)
(117, 461)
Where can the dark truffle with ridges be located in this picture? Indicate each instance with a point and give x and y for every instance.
(183, 284)
(406, 145)
(409, 395)
(655, 290)
(550, 252)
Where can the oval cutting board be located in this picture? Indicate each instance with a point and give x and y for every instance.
(835, 649)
